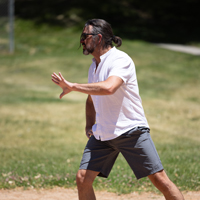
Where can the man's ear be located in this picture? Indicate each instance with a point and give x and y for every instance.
(100, 38)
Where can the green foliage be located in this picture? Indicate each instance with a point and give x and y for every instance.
(42, 138)
(158, 21)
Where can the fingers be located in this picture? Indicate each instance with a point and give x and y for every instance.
(56, 78)
(57, 83)
(62, 78)
(89, 134)
(62, 94)
(60, 81)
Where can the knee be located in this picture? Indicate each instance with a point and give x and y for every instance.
(165, 185)
(82, 180)
(161, 181)
(80, 177)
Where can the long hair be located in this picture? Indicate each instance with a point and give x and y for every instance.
(102, 27)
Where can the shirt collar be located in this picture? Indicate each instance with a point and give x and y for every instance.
(105, 55)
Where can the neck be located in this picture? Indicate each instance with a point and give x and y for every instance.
(99, 52)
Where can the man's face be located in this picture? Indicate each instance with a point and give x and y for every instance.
(88, 41)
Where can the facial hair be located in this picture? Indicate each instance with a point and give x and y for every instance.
(89, 49)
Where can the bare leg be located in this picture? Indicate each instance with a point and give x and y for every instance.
(165, 185)
(84, 181)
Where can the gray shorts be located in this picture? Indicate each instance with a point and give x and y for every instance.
(135, 145)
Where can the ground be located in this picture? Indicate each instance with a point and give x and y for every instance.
(71, 194)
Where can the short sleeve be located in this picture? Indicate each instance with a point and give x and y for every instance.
(122, 67)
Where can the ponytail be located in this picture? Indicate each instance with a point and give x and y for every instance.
(117, 40)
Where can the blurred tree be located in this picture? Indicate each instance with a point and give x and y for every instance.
(156, 21)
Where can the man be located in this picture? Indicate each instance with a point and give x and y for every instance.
(115, 120)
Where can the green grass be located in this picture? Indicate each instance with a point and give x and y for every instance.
(42, 137)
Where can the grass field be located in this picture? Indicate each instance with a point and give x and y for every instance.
(42, 137)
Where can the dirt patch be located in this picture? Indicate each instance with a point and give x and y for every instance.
(71, 194)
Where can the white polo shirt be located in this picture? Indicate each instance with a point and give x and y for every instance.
(121, 111)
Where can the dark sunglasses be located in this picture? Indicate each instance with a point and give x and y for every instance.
(85, 35)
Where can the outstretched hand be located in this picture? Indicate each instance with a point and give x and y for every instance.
(60, 81)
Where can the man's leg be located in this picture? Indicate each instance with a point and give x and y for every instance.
(84, 181)
(165, 185)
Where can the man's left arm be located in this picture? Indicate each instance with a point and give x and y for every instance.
(107, 87)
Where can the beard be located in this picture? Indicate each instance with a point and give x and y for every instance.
(89, 49)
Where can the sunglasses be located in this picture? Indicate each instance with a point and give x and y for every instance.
(85, 35)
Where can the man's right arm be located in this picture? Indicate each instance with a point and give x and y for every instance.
(90, 116)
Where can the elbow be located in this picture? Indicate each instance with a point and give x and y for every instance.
(110, 91)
